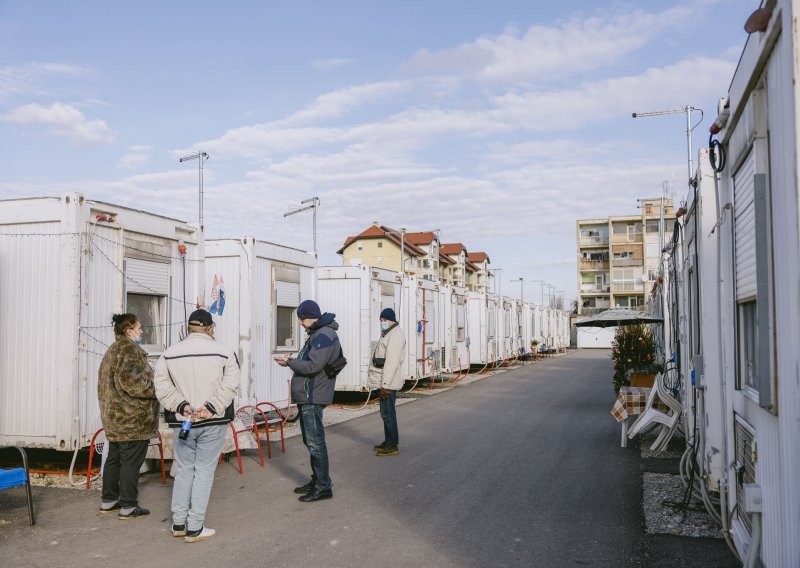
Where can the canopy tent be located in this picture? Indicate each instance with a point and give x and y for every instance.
(616, 317)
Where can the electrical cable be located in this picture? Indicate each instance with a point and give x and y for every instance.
(715, 148)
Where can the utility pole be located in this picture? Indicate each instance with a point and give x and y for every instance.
(200, 157)
(521, 288)
(314, 205)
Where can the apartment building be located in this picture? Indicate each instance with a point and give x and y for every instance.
(618, 257)
(382, 247)
(423, 256)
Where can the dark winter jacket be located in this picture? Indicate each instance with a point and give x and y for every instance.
(310, 384)
(128, 405)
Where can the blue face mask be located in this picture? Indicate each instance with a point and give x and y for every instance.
(137, 339)
(385, 325)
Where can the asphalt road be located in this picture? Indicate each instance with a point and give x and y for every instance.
(522, 468)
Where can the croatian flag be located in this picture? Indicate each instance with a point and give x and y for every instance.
(218, 295)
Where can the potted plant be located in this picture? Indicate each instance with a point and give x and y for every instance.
(634, 354)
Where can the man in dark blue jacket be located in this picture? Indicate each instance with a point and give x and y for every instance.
(312, 390)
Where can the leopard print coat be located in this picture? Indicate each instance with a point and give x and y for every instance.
(128, 405)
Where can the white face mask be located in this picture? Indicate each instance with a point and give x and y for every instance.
(384, 325)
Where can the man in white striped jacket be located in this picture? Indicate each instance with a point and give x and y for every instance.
(197, 378)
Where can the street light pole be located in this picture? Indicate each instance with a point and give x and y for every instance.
(314, 201)
(200, 157)
(521, 288)
(688, 110)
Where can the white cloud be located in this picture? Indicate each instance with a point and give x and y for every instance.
(546, 52)
(66, 121)
(617, 97)
(330, 63)
(337, 103)
(136, 156)
(27, 78)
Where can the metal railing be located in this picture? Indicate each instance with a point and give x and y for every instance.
(627, 262)
(593, 241)
(595, 288)
(594, 264)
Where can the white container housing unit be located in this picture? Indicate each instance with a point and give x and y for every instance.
(357, 294)
(255, 288)
(455, 329)
(478, 329)
(66, 266)
(737, 270)
(424, 344)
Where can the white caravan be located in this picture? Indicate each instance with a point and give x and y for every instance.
(67, 264)
(357, 294)
(455, 329)
(424, 310)
(255, 288)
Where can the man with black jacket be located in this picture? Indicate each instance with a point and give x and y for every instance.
(312, 390)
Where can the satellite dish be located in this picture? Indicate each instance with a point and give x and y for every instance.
(758, 21)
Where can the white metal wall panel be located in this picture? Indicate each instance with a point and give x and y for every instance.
(348, 299)
(29, 278)
(745, 232)
(226, 330)
(779, 449)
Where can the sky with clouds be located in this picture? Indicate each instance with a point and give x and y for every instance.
(499, 123)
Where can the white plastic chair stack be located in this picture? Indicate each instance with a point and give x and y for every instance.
(653, 417)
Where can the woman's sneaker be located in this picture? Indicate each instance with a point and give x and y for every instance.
(203, 534)
(133, 513)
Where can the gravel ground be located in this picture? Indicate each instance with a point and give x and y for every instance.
(663, 494)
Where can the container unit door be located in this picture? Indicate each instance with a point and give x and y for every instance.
(349, 299)
(431, 328)
(491, 331)
(459, 330)
(102, 297)
(285, 334)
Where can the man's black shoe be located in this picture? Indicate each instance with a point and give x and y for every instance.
(307, 488)
(317, 496)
(379, 446)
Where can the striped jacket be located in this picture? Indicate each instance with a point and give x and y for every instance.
(197, 371)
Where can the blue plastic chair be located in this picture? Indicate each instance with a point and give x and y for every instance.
(18, 477)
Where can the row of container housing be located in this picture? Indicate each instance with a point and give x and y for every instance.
(731, 303)
(67, 264)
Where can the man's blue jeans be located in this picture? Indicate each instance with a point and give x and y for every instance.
(196, 459)
(389, 415)
(314, 439)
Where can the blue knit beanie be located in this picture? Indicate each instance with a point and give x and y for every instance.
(388, 314)
(308, 309)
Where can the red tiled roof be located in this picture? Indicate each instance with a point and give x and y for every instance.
(478, 257)
(443, 258)
(472, 268)
(423, 238)
(382, 232)
(452, 248)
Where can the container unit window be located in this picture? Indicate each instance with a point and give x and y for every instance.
(752, 258)
(150, 311)
(461, 318)
(286, 286)
(146, 291)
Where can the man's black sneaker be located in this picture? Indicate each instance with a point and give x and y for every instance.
(307, 488)
(178, 530)
(379, 446)
(317, 496)
(134, 513)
